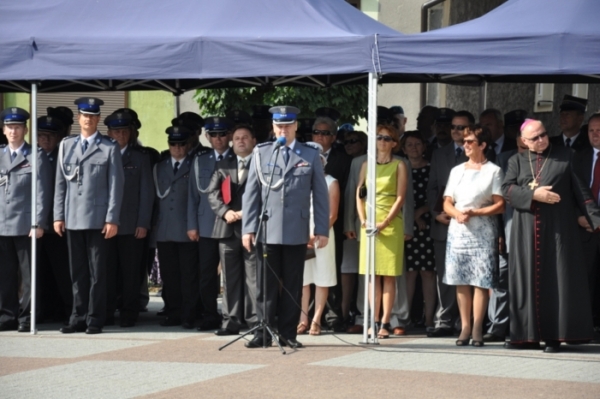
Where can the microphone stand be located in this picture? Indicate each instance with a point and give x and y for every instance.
(262, 228)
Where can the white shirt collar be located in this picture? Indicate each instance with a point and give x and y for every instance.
(20, 149)
(245, 159)
(173, 160)
(223, 154)
(292, 144)
(572, 138)
(90, 139)
(124, 149)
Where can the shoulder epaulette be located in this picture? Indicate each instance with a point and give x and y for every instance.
(71, 136)
(266, 143)
(139, 148)
(312, 147)
(110, 139)
(203, 152)
(2, 145)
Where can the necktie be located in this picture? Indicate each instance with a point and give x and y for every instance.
(568, 142)
(286, 154)
(85, 145)
(458, 153)
(596, 181)
(242, 171)
(13, 155)
(176, 168)
(220, 157)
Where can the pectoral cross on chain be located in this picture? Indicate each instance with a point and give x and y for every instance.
(533, 184)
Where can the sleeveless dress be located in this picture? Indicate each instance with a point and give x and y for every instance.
(472, 247)
(419, 250)
(389, 243)
(320, 270)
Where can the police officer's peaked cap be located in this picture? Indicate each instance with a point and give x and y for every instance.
(89, 105)
(14, 116)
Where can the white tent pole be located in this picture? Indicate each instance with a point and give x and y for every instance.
(369, 316)
(34, 179)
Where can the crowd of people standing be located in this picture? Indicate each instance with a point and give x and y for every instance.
(479, 226)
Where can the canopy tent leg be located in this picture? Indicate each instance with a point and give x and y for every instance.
(369, 314)
(34, 190)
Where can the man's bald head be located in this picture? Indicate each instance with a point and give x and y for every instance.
(534, 135)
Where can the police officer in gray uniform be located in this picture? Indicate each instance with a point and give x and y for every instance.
(298, 176)
(56, 291)
(16, 221)
(201, 218)
(177, 253)
(127, 247)
(87, 202)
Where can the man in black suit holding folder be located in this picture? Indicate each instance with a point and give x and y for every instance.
(238, 265)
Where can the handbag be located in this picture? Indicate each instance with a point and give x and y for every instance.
(362, 192)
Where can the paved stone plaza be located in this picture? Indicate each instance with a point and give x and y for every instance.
(170, 362)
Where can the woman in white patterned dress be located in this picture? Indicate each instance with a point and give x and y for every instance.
(473, 198)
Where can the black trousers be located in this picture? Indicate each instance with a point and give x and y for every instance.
(209, 278)
(55, 287)
(591, 251)
(334, 316)
(88, 252)
(123, 275)
(239, 279)
(285, 272)
(15, 258)
(179, 271)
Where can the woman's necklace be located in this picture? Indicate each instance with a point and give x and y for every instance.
(534, 183)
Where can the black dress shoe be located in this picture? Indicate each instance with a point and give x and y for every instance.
(462, 342)
(24, 327)
(127, 323)
(293, 343)
(93, 330)
(224, 331)
(552, 347)
(170, 322)
(207, 326)
(522, 346)
(9, 325)
(188, 325)
(440, 332)
(70, 329)
(162, 312)
(489, 337)
(257, 342)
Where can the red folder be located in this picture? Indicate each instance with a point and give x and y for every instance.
(226, 190)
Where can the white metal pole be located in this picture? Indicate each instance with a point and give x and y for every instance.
(369, 316)
(34, 179)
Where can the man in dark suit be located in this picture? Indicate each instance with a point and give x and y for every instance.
(493, 120)
(587, 168)
(338, 166)
(298, 177)
(127, 247)
(442, 162)
(572, 111)
(238, 266)
(201, 218)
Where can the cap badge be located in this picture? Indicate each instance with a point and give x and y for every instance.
(49, 119)
(120, 115)
(91, 101)
(13, 110)
(216, 120)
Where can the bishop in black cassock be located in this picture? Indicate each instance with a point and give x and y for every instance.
(549, 298)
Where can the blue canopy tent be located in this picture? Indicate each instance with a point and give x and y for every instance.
(543, 41)
(178, 45)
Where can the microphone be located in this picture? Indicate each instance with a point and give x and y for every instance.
(280, 142)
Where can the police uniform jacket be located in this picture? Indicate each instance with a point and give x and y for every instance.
(138, 193)
(15, 191)
(200, 215)
(89, 187)
(228, 167)
(53, 159)
(288, 206)
(172, 192)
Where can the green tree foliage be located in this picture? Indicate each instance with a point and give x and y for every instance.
(350, 101)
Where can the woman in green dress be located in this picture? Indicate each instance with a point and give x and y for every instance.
(390, 189)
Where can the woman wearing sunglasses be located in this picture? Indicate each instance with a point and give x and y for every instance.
(390, 189)
(472, 198)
